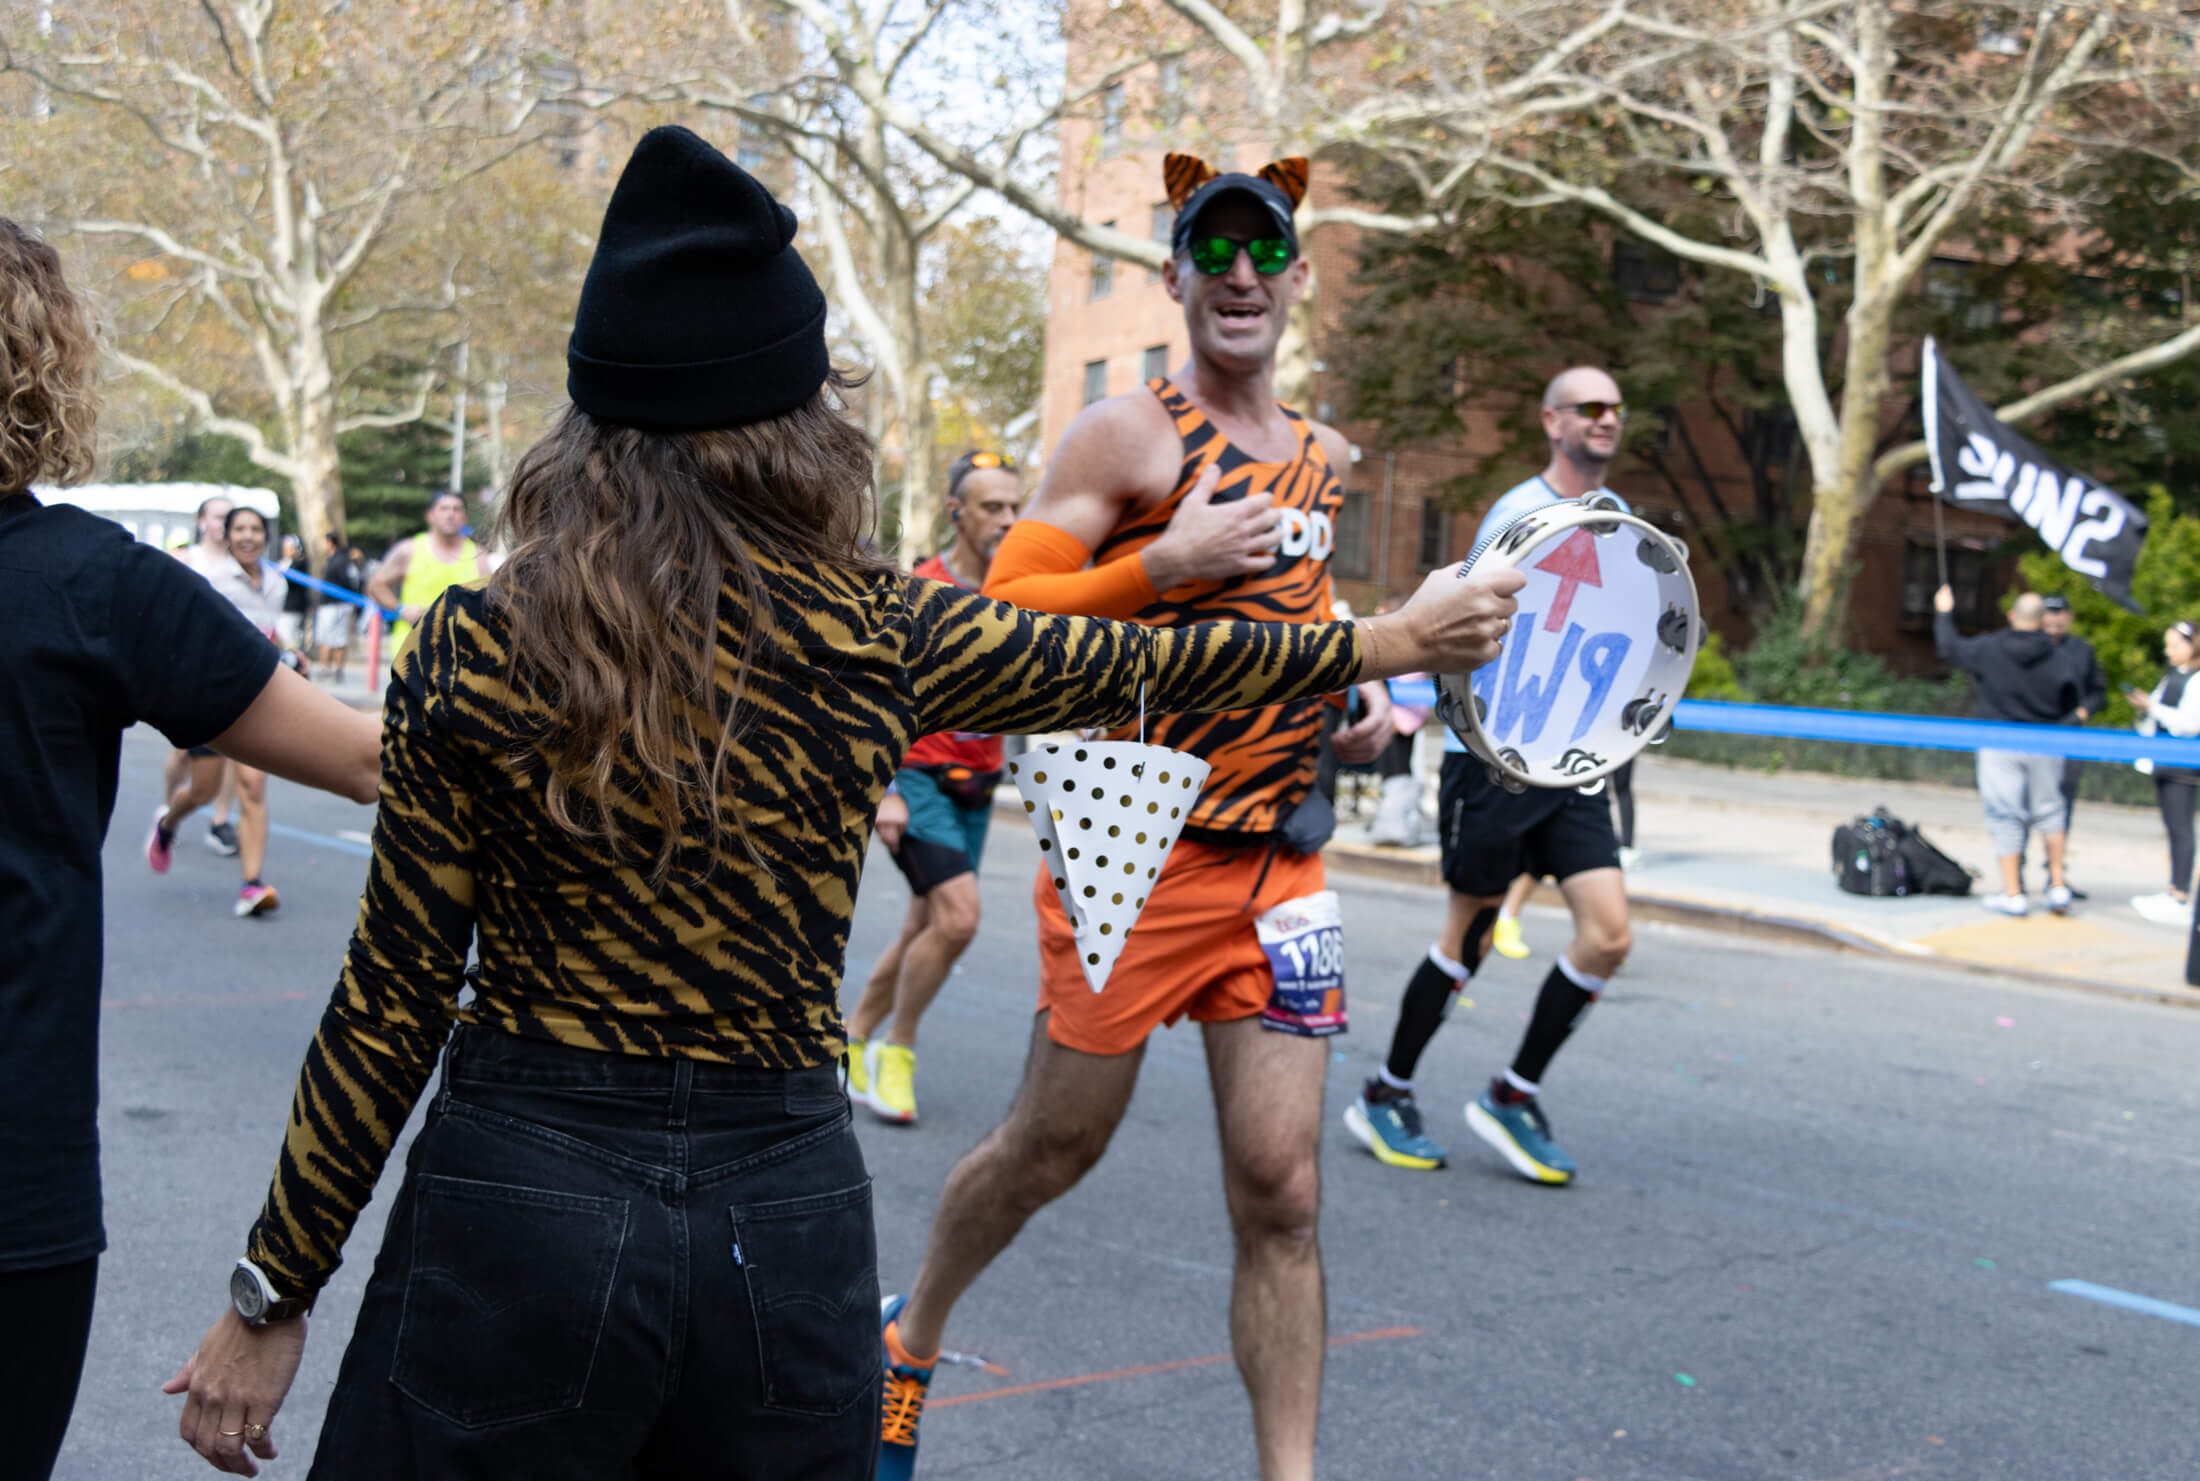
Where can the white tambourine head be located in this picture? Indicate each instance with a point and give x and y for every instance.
(1107, 813)
(1599, 654)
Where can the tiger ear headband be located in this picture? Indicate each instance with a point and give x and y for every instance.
(1184, 174)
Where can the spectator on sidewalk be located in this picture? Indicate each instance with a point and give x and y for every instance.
(295, 626)
(2022, 681)
(2084, 668)
(2173, 709)
(333, 622)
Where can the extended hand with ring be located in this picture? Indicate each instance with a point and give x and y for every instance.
(234, 1384)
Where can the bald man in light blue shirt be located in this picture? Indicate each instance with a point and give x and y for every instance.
(1490, 837)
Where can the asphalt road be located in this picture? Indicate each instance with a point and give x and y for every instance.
(1821, 1205)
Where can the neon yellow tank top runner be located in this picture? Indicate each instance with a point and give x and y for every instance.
(427, 578)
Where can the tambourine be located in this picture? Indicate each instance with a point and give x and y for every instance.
(1600, 651)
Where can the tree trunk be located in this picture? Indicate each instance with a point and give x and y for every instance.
(920, 494)
(1294, 379)
(317, 489)
(1839, 504)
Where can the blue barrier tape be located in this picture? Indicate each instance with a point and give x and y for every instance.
(315, 583)
(1931, 732)
(1875, 728)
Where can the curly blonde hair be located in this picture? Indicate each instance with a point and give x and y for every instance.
(49, 397)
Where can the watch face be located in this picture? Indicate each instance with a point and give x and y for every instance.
(245, 1294)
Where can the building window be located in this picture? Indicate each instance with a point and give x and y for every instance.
(1950, 286)
(1644, 272)
(1111, 115)
(1164, 226)
(1353, 558)
(1970, 577)
(749, 154)
(1435, 535)
(1096, 380)
(1154, 364)
(1768, 437)
(1103, 270)
(1169, 84)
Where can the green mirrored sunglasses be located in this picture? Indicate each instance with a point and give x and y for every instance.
(1214, 256)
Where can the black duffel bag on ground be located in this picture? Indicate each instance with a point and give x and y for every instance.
(1882, 855)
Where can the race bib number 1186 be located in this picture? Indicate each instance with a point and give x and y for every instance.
(1304, 942)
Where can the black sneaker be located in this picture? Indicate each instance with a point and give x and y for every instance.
(221, 838)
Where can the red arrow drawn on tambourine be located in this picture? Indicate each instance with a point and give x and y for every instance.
(1574, 563)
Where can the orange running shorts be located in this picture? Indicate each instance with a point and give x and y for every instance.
(1192, 954)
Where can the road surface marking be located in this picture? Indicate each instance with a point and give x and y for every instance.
(341, 843)
(2110, 1296)
(1382, 1334)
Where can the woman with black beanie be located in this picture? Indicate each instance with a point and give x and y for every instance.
(638, 769)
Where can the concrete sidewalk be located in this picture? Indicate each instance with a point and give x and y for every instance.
(1751, 851)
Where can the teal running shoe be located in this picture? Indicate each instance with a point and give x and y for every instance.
(1522, 1136)
(1390, 1127)
(901, 1405)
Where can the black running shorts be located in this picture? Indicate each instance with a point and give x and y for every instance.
(1490, 836)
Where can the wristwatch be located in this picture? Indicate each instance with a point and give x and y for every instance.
(253, 1294)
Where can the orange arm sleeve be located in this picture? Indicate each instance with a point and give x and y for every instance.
(1042, 568)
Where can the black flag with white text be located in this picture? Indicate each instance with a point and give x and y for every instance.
(1979, 463)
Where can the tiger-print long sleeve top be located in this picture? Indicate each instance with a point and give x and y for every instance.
(739, 964)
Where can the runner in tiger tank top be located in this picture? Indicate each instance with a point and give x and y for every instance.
(1194, 498)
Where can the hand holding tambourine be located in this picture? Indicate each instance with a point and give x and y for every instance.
(1600, 652)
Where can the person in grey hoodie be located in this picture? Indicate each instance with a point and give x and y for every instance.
(2021, 679)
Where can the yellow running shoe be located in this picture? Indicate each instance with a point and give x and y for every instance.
(893, 1083)
(1506, 938)
(858, 1082)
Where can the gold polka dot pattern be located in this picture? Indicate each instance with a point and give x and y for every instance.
(1125, 803)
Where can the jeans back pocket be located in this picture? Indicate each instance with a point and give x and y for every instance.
(811, 1265)
(505, 1297)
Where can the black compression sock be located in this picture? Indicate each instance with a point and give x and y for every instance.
(1428, 1000)
(1559, 1009)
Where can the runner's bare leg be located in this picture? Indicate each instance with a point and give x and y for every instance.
(1268, 1105)
(1064, 1113)
(879, 988)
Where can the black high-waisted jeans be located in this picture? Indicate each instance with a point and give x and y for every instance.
(603, 1267)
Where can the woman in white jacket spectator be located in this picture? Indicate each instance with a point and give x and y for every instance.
(2173, 709)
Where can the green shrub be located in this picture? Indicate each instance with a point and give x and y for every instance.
(1713, 675)
(2166, 584)
(1786, 666)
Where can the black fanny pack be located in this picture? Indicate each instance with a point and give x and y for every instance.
(963, 786)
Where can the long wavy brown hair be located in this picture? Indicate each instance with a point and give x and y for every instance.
(49, 351)
(623, 541)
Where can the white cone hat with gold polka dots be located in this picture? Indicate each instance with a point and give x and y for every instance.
(1107, 814)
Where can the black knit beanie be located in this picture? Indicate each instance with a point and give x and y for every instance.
(697, 311)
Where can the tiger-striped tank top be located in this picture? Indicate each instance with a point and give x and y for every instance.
(1264, 759)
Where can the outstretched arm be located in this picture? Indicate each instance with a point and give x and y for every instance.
(981, 665)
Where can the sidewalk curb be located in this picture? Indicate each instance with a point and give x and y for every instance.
(1407, 867)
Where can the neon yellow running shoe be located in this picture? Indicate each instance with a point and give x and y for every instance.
(858, 1081)
(1506, 938)
(893, 1083)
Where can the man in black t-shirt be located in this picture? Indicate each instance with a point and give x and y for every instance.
(102, 632)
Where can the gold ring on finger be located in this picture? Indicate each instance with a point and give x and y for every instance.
(229, 1434)
(255, 1432)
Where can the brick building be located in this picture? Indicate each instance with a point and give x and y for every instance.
(1111, 327)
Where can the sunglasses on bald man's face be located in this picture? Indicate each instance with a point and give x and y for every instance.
(1215, 256)
(1593, 411)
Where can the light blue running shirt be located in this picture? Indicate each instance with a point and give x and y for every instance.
(1521, 498)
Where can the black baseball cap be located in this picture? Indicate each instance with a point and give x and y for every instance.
(2055, 601)
(1234, 184)
(1279, 187)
